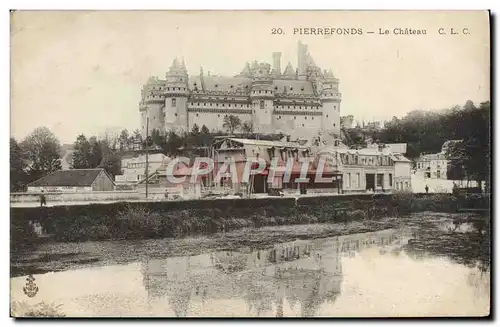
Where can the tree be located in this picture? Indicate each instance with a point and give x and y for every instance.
(205, 136)
(195, 130)
(247, 128)
(157, 138)
(81, 153)
(123, 140)
(42, 150)
(97, 150)
(231, 123)
(173, 143)
(17, 167)
(112, 164)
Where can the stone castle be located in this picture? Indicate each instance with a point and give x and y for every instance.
(303, 103)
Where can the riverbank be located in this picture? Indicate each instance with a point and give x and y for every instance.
(146, 220)
(51, 257)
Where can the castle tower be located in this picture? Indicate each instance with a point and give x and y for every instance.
(176, 95)
(151, 106)
(262, 97)
(302, 59)
(277, 63)
(330, 98)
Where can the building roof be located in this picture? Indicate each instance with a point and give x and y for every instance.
(293, 86)
(220, 83)
(432, 156)
(266, 143)
(397, 147)
(70, 177)
(399, 157)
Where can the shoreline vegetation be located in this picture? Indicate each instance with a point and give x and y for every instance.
(153, 220)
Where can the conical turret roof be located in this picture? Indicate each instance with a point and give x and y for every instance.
(289, 71)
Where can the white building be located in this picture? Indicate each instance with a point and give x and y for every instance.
(134, 169)
(434, 166)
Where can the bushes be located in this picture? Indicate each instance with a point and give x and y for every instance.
(167, 219)
(356, 214)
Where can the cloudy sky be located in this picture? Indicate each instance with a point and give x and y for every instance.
(81, 72)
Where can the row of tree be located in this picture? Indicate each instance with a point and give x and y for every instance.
(40, 154)
(427, 131)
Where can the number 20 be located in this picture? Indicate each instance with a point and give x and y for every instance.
(276, 31)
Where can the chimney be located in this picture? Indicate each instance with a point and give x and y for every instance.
(277, 63)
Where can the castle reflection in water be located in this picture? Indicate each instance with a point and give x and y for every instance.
(305, 273)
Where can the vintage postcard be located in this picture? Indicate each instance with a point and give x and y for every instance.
(250, 164)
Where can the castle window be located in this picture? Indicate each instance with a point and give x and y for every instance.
(305, 118)
(276, 88)
(223, 105)
(174, 102)
(194, 84)
(294, 117)
(279, 117)
(333, 124)
(312, 118)
(197, 115)
(288, 107)
(302, 125)
(175, 114)
(216, 85)
(262, 104)
(302, 89)
(231, 87)
(218, 115)
(291, 88)
(260, 91)
(198, 103)
(326, 116)
(246, 86)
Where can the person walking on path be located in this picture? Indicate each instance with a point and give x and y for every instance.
(43, 200)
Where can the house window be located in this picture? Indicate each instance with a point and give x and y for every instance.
(390, 180)
(262, 104)
(174, 102)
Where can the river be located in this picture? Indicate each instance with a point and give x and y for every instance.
(419, 268)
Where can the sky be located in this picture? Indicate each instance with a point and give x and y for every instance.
(82, 72)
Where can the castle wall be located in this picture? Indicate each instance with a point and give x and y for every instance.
(213, 119)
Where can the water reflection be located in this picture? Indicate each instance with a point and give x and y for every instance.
(413, 271)
(304, 273)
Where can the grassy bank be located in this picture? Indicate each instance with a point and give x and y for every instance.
(117, 221)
